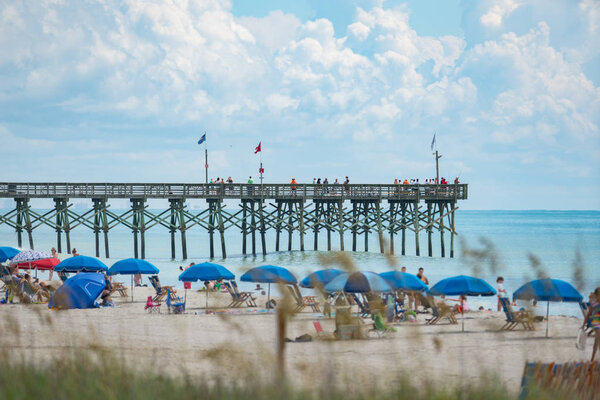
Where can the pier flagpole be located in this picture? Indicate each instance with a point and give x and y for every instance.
(203, 140)
(437, 160)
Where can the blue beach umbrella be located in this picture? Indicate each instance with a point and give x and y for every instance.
(404, 281)
(322, 277)
(462, 285)
(548, 290)
(358, 282)
(269, 274)
(79, 291)
(6, 253)
(81, 264)
(205, 272)
(132, 266)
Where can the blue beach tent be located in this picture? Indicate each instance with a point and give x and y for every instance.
(79, 291)
(404, 281)
(81, 264)
(358, 282)
(322, 277)
(548, 290)
(6, 253)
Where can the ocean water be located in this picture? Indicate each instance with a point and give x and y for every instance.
(554, 237)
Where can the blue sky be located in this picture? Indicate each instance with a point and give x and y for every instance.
(121, 91)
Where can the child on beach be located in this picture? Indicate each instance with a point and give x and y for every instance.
(593, 316)
(501, 291)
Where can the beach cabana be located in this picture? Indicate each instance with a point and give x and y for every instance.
(205, 272)
(81, 264)
(79, 291)
(548, 290)
(462, 285)
(7, 253)
(269, 274)
(132, 266)
(320, 278)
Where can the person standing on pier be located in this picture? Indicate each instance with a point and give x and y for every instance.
(251, 188)
(346, 183)
(293, 183)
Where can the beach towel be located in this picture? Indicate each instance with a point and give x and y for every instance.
(581, 339)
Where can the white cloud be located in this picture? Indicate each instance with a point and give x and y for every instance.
(499, 10)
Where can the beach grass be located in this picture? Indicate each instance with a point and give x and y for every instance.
(99, 375)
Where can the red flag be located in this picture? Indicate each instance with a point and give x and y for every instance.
(257, 149)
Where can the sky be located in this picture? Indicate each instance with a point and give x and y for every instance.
(120, 91)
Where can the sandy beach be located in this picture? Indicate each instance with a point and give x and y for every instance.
(240, 342)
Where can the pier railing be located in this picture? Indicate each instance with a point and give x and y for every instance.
(234, 191)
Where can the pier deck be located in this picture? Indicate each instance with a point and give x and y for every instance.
(356, 209)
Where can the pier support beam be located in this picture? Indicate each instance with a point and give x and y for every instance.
(100, 224)
(23, 218)
(138, 207)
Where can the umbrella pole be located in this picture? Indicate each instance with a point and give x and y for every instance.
(268, 295)
(206, 305)
(185, 297)
(547, 312)
(462, 317)
(132, 288)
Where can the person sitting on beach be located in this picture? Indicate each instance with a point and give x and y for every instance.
(462, 307)
(593, 315)
(106, 299)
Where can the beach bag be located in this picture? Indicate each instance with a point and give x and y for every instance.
(581, 339)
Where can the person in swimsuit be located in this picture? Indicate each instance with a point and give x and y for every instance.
(593, 316)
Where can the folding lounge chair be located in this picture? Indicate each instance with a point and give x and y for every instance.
(584, 310)
(152, 307)
(176, 305)
(161, 291)
(443, 311)
(380, 327)
(236, 300)
(245, 296)
(513, 319)
(318, 328)
(362, 307)
(305, 301)
(121, 288)
(28, 294)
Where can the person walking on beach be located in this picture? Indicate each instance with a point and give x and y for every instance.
(55, 255)
(74, 252)
(422, 276)
(501, 291)
(593, 316)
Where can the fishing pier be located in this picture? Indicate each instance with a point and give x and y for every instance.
(390, 211)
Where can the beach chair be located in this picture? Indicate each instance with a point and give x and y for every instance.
(28, 294)
(318, 328)
(245, 296)
(161, 291)
(236, 299)
(363, 307)
(439, 312)
(152, 307)
(303, 302)
(175, 304)
(589, 329)
(380, 327)
(121, 288)
(513, 319)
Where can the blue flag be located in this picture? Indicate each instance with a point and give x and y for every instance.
(202, 139)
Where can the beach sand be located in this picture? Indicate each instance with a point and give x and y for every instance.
(242, 342)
